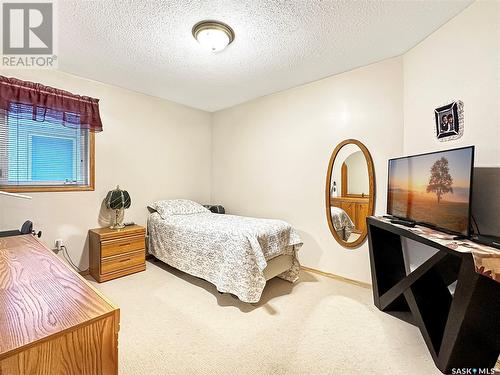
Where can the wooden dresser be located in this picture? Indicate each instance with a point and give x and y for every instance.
(117, 252)
(51, 320)
(356, 208)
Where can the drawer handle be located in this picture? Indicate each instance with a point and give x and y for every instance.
(124, 260)
(124, 244)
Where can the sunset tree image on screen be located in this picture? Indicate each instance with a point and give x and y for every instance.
(433, 188)
(441, 181)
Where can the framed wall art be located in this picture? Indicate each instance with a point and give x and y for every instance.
(449, 121)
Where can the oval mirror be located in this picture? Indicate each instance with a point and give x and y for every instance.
(350, 192)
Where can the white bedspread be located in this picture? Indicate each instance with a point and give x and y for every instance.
(341, 222)
(229, 251)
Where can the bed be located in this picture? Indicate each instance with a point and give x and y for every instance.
(237, 254)
(341, 222)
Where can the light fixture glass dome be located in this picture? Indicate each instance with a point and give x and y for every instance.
(213, 35)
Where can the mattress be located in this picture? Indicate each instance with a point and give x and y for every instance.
(341, 222)
(232, 252)
(277, 266)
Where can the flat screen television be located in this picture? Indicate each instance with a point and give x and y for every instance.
(433, 189)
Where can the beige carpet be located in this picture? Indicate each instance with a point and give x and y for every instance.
(172, 323)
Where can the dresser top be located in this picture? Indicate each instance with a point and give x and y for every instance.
(40, 295)
(360, 199)
(108, 233)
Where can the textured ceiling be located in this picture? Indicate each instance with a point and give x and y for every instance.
(147, 46)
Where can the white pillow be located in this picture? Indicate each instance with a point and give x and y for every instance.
(178, 207)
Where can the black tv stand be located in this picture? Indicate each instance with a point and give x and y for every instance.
(461, 330)
(461, 237)
(487, 240)
(406, 223)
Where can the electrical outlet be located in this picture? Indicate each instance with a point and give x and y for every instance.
(59, 244)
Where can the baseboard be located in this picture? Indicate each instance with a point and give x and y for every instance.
(337, 277)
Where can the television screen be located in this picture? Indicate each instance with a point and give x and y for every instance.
(433, 189)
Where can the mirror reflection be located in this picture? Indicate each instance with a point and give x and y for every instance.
(350, 195)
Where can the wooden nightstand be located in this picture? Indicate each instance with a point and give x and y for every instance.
(115, 253)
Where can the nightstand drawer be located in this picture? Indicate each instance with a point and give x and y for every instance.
(123, 261)
(122, 246)
(116, 253)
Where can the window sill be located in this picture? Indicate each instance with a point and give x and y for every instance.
(43, 189)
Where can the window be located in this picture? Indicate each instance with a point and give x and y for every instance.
(46, 137)
(41, 154)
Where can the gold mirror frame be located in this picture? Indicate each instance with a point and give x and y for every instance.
(371, 202)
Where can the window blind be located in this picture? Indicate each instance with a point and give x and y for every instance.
(37, 150)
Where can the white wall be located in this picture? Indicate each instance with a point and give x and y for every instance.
(342, 155)
(461, 60)
(270, 155)
(151, 147)
(357, 174)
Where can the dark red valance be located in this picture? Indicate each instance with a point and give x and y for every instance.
(74, 111)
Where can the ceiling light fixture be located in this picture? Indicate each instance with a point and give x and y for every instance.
(213, 35)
